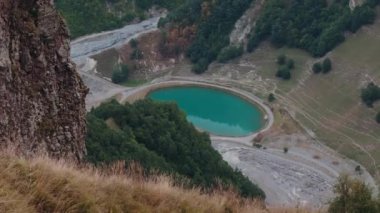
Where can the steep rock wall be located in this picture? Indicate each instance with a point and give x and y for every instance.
(42, 98)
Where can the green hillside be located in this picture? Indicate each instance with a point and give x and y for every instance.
(159, 137)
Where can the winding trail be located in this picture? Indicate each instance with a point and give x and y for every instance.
(92, 44)
(85, 47)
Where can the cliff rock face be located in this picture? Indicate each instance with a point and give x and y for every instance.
(42, 98)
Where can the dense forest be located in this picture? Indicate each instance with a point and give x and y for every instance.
(158, 136)
(91, 16)
(316, 26)
(313, 25)
(214, 20)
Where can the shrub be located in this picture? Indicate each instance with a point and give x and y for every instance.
(201, 66)
(290, 64)
(136, 55)
(271, 97)
(120, 74)
(284, 73)
(281, 59)
(326, 65)
(378, 118)
(286, 150)
(358, 169)
(317, 68)
(370, 94)
(229, 53)
(352, 196)
(133, 43)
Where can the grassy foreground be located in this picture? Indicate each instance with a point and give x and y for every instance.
(46, 185)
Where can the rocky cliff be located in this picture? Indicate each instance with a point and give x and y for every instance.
(42, 98)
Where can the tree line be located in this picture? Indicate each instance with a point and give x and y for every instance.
(158, 136)
(313, 25)
(316, 26)
(215, 21)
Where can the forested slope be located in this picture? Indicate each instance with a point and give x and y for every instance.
(158, 136)
(316, 26)
(214, 21)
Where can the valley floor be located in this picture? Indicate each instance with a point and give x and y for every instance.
(305, 175)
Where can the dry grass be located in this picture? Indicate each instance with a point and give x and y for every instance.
(45, 185)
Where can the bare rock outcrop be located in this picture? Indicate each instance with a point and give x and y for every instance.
(42, 98)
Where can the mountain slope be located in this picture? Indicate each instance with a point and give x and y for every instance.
(45, 185)
(158, 136)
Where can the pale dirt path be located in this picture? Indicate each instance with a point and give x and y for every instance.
(85, 47)
(92, 44)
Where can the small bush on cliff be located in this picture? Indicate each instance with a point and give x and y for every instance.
(230, 53)
(137, 54)
(120, 74)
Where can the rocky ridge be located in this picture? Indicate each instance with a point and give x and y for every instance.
(42, 98)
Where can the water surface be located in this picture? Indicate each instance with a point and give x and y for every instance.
(215, 111)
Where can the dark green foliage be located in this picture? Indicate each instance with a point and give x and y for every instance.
(201, 66)
(315, 26)
(371, 94)
(378, 118)
(281, 59)
(285, 67)
(105, 145)
(358, 170)
(326, 65)
(120, 74)
(353, 196)
(317, 68)
(271, 97)
(229, 53)
(286, 150)
(91, 16)
(212, 31)
(136, 55)
(133, 43)
(360, 16)
(161, 132)
(284, 73)
(290, 64)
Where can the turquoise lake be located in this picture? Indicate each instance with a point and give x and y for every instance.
(214, 111)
